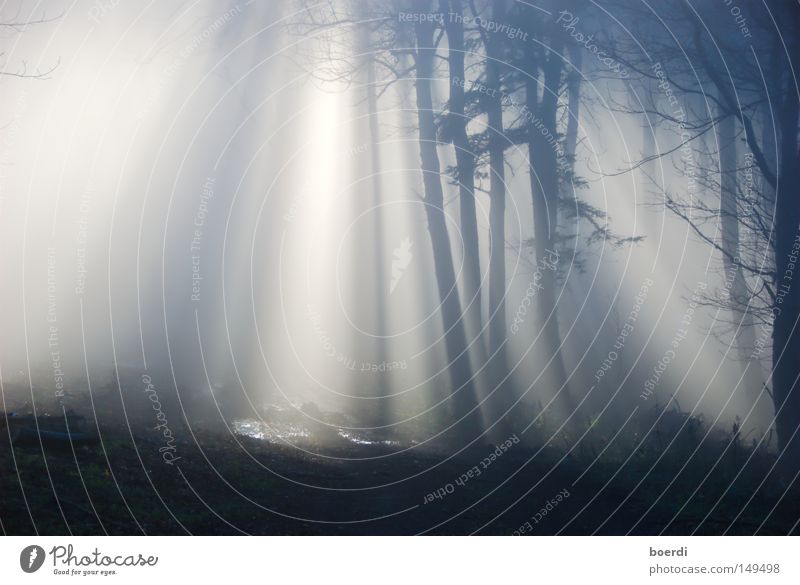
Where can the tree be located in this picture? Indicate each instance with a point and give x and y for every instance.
(542, 63)
(740, 75)
(449, 304)
(744, 331)
(379, 272)
(454, 129)
(497, 144)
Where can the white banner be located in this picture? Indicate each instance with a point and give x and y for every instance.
(401, 560)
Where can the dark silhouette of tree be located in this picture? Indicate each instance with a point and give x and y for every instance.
(542, 65)
(454, 129)
(746, 83)
(515, 87)
(744, 333)
(379, 276)
(449, 304)
(497, 143)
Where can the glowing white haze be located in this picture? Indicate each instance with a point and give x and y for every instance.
(181, 196)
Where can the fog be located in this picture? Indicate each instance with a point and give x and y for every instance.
(185, 193)
(370, 232)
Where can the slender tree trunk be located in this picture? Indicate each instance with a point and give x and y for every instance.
(545, 192)
(786, 331)
(571, 139)
(377, 198)
(375, 412)
(380, 276)
(574, 104)
(770, 138)
(465, 165)
(450, 307)
(744, 334)
(649, 170)
(497, 196)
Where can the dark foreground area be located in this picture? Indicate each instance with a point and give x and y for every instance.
(223, 483)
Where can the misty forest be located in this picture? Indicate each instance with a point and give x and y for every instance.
(400, 267)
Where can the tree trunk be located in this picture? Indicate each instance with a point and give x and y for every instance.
(744, 336)
(465, 166)
(497, 196)
(786, 310)
(380, 282)
(571, 141)
(545, 192)
(450, 307)
(377, 199)
(573, 103)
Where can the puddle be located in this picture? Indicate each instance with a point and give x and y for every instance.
(283, 432)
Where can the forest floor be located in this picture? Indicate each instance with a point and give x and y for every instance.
(224, 483)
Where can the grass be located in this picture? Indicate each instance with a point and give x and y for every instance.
(672, 482)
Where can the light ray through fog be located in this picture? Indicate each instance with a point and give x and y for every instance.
(243, 242)
(333, 153)
(249, 236)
